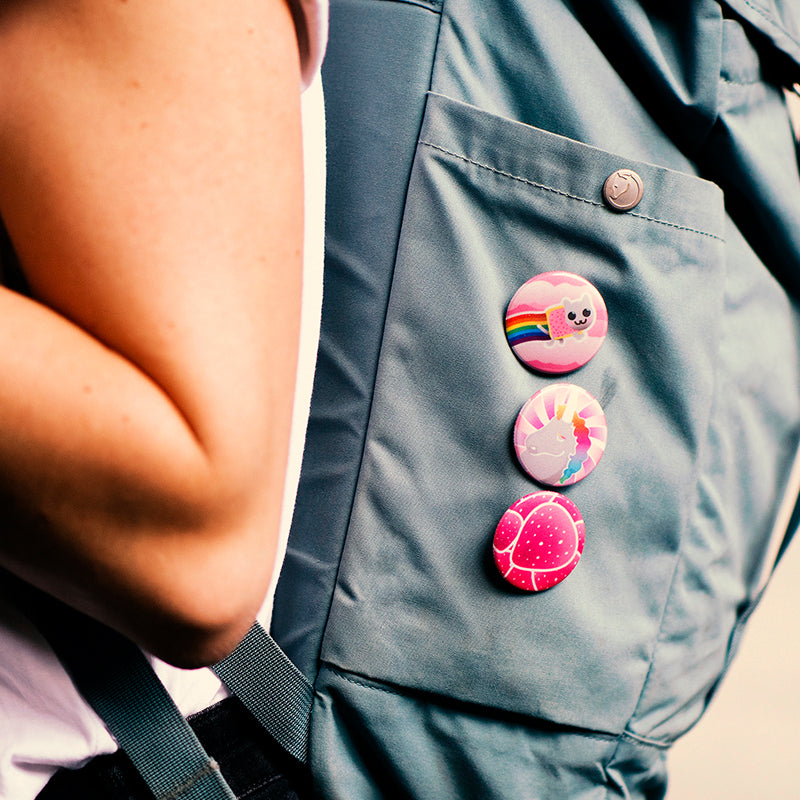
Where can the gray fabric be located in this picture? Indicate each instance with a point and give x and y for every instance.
(437, 474)
(466, 752)
(391, 44)
(434, 672)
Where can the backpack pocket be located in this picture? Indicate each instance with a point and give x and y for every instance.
(419, 602)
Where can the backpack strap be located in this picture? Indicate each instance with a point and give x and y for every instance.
(118, 682)
(272, 689)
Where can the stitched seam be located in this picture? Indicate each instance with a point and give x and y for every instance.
(606, 738)
(644, 740)
(511, 175)
(561, 193)
(257, 787)
(363, 684)
(431, 5)
(772, 21)
(182, 788)
(740, 83)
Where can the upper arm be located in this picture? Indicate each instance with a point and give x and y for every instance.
(151, 184)
(150, 181)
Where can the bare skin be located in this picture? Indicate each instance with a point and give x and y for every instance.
(151, 183)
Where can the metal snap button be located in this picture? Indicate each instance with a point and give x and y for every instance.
(623, 190)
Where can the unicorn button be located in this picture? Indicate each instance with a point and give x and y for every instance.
(560, 435)
(556, 322)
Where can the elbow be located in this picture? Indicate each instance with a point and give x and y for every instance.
(181, 567)
(203, 589)
(198, 620)
(189, 644)
(207, 565)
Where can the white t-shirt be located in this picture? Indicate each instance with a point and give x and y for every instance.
(44, 722)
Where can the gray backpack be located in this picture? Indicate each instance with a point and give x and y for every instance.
(470, 142)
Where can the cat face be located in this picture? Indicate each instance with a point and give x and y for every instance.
(579, 314)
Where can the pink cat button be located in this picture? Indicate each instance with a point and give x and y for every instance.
(539, 541)
(560, 434)
(556, 322)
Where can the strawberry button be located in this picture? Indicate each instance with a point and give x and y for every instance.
(539, 541)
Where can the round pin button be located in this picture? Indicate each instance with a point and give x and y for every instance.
(623, 190)
(560, 434)
(539, 541)
(556, 322)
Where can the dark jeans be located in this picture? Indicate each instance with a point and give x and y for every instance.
(252, 764)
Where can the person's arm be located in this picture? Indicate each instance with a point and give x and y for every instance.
(151, 183)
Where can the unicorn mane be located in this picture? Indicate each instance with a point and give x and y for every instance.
(581, 431)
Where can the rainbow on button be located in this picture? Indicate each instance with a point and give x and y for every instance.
(556, 322)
